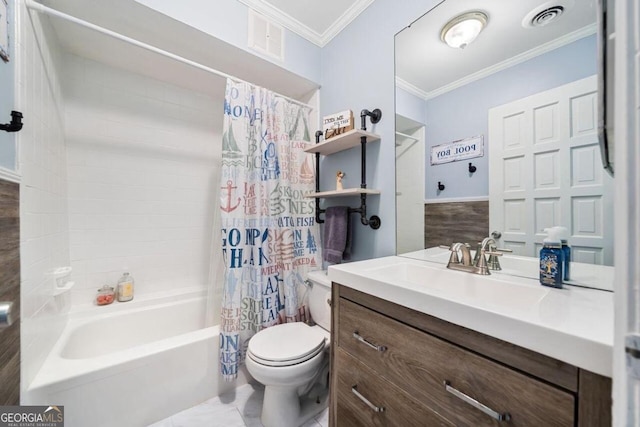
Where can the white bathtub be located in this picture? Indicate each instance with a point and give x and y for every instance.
(133, 363)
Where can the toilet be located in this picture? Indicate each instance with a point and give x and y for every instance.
(292, 361)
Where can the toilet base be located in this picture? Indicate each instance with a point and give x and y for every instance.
(282, 407)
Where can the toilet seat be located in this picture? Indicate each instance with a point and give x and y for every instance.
(286, 344)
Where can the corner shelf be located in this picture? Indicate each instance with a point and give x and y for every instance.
(342, 142)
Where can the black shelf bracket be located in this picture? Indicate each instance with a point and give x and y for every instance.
(374, 221)
(318, 210)
(375, 116)
(16, 122)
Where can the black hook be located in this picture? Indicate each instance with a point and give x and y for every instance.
(472, 168)
(440, 186)
(16, 123)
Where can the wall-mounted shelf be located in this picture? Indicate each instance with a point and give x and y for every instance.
(343, 193)
(342, 142)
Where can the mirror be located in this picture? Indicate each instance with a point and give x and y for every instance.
(501, 135)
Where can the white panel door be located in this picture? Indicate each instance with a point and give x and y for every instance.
(545, 170)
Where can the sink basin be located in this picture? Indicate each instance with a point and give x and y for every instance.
(464, 287)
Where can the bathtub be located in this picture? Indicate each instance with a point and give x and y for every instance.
(133, 363)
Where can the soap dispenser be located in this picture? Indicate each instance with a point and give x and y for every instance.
(552, 259)
(563, 233)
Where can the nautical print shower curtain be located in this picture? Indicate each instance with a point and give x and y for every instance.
(269, 235)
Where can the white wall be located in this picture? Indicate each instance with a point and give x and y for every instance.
(143, 165)
(227, 20)
(44, 241)
(410, 189)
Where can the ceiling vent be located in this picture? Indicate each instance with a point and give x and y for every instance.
(265, 36)
(546, 13)
(546, 16)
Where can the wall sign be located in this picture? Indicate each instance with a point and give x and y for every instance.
(4, 31)
(461, 149)
(336, 124)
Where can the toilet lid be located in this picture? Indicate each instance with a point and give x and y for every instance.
(286, 344)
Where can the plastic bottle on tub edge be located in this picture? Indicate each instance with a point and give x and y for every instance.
(125, 288)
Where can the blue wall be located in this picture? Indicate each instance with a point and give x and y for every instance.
(463, 112)
(358, 72)
(410, 106)
(7, 144)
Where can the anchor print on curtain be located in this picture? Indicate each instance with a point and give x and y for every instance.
(269, 235)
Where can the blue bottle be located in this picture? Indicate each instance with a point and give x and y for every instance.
(552, 260)
(563, 233)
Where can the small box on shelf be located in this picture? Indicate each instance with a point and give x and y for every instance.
(337, 124)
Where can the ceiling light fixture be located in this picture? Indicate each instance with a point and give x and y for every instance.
(463, 29)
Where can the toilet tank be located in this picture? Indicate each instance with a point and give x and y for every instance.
(319, 298)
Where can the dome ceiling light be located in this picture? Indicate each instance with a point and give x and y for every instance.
(463, 29)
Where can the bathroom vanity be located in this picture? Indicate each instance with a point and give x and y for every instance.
(417, 344)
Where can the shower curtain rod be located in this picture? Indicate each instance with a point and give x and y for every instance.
(38, 7)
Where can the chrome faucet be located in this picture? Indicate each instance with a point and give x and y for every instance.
(492, 263)
(479, 264)
(466, 264)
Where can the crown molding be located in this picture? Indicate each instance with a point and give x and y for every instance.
(408, 87)
(292, 24)
(345, 19)
(525, 56)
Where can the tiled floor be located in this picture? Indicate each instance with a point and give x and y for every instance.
(239, 408)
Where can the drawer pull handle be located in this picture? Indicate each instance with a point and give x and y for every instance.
(375, 408)
(471, 401)
(373, 346)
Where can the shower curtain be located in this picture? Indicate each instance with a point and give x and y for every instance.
(270, 238)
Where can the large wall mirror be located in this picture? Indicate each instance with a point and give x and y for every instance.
(517, 110)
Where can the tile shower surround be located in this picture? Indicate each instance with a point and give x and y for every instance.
(143, 159)
(44, 238)
(119, 174)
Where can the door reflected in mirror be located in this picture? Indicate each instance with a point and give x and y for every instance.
(526, 84)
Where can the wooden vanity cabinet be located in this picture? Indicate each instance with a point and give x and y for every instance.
(393, 366)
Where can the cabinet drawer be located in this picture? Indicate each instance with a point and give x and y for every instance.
(396, 408)
(421, 364)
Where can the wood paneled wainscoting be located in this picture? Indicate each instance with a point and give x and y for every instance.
(450, 222)
(10, 291)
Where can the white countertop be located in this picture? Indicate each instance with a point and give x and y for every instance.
(574, 325)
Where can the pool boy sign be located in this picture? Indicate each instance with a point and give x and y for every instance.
(462, 149)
